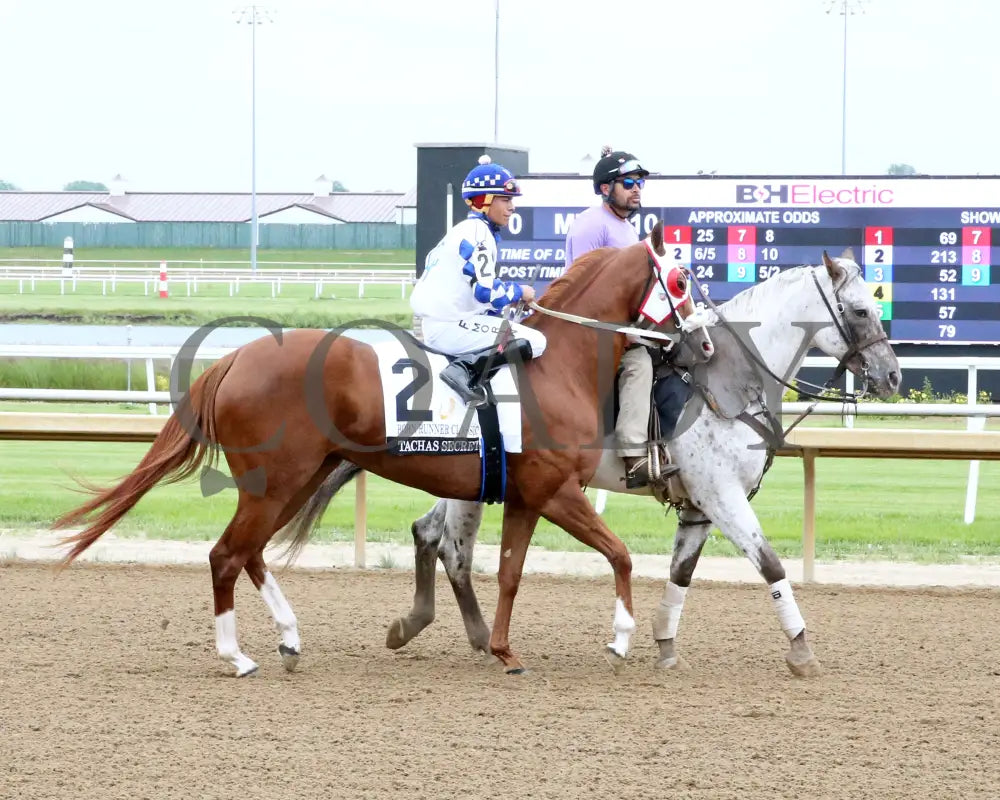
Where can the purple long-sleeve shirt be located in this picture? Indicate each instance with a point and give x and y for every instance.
(597, 227)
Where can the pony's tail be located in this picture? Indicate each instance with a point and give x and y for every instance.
(178, 450)
(299, 528)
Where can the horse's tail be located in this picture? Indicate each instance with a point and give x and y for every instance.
(178, 450)
(299, 528)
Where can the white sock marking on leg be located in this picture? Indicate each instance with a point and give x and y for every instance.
(284, 617)
(623, 626)
(226, 644)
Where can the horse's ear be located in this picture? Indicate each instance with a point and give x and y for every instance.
(831, 266)
(656, 237)
(849, 253)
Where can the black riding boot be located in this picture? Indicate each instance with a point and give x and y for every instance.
(637, 471)
(466, 373)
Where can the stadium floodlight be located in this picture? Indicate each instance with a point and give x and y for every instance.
(846, 8)
(253, 15)
(496, 72)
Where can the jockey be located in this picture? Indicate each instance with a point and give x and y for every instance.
(459, 298)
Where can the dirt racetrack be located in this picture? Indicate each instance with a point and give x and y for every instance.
(112, 689)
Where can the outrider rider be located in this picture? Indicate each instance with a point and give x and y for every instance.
(619, 179)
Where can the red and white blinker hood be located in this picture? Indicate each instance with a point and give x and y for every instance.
(655, 306)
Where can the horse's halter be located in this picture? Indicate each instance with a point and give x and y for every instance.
(665, 340)
(854, 346)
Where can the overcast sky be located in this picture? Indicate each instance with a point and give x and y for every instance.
(160, 92)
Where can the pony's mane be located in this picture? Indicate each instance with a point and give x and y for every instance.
(749, 301)
(580, 272)
(748, 298)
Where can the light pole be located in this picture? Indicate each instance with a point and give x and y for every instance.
(496, 72)
(253, 15)
(847, 8)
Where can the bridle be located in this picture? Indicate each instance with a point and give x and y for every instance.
(854, 346)
(659, 338)
(656, 274)
(839, 320)
(774, 435)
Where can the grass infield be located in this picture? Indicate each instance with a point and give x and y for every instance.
(898, 510)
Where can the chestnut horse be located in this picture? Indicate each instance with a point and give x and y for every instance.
(721, 457)
(294, 408)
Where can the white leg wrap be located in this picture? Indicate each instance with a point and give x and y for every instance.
(786, 608)
(227, 646)
(668, 614)
(284, 617)
(624, 627)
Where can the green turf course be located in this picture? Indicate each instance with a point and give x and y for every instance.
(899, 510)
(295, 306)
(399, 259)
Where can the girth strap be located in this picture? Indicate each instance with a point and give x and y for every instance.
(493, 460)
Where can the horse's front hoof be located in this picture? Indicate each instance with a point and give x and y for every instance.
(511, 663)
(396, 636)
(615, 659)
(480, 641)
(803, 665)
(243, 665)
(289, 657)
(674, 663)
(487, 659)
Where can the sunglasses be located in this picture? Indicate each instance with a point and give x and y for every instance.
(631, 183)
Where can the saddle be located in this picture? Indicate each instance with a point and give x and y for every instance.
(418, 425)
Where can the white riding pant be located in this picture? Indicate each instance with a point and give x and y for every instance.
(475, 333)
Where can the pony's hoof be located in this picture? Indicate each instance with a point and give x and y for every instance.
(289, 657)
(481, 643)
(803, 666)
(674, 663)
(517, 671)
(615, 659)
(248, 672)
(396, 636)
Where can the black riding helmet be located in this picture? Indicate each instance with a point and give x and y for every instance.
(614, 165)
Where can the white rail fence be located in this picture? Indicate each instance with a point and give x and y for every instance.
(32, 276)
(167, 353)
(975, 412)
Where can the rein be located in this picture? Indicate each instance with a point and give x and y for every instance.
(853, 348)
(656, 273)
(822, 393)
(610, 327)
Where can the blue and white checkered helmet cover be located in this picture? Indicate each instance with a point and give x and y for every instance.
(489, 178)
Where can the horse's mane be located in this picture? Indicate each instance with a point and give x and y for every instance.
(749, 299)
(579, 273)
